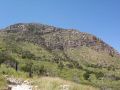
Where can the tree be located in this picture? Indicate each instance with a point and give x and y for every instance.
(41, 70)
(16, 66)
(28, 67)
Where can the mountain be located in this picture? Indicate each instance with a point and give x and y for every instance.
(46, 50)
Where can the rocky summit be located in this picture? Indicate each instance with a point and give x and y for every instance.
(43, 50)
(59, 38)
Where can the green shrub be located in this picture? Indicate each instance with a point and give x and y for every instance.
(60, 65)
(86, 75)
(5, 70)
(99, 75)
(39, 69)
(92, 77)
(27, 54)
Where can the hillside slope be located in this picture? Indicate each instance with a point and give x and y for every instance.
(50, 51)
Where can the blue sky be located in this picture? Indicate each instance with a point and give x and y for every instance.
(98, 17)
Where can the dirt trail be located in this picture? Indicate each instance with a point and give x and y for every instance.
(18, 84)
(20, 87)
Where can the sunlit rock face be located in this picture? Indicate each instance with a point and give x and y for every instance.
(58, 38)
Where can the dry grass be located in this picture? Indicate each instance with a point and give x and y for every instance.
(86, 54)
(2, 82)
(49, 83)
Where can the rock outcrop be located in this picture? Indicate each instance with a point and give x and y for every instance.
(57, 38)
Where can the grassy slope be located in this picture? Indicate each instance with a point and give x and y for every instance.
(89, 56)
(86, 57)
(50, 83)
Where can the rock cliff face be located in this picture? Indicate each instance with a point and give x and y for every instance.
(57, 38)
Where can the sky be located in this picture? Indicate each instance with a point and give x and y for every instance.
(98, 17)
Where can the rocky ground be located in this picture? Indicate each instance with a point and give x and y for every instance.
(20, 87)
(19, 84)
